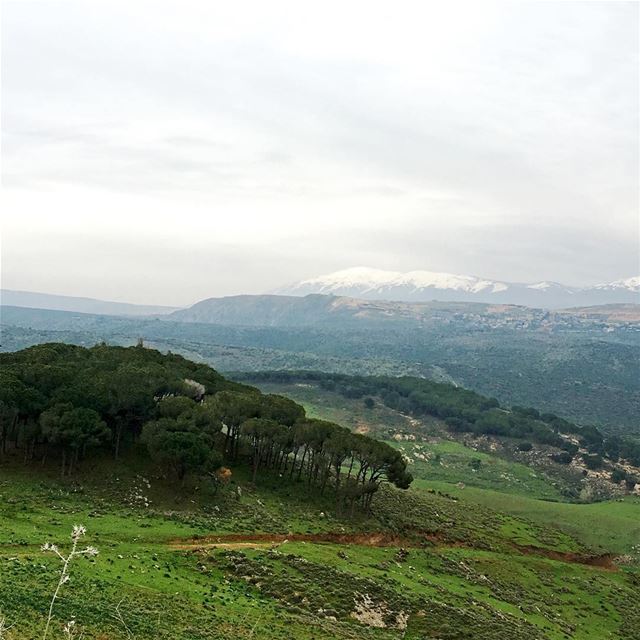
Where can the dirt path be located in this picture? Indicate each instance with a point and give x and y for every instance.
(258, 540)
(374, 539)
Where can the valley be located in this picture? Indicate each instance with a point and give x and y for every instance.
(584, 366)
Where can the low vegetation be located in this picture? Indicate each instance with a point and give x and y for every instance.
(278, 563)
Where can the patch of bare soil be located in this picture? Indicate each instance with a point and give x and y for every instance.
(375, 539)
(604, 561)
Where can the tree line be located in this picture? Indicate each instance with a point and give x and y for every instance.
(462, 410)
(66, 403)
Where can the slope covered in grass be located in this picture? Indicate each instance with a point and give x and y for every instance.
(612, 525)
(423, 564)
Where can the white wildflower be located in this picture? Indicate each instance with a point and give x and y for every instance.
(78, 531)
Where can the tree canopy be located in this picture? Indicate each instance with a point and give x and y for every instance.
(69, 402)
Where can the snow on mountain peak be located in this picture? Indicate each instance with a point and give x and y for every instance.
(631, 284)
(378, 284)
(369, 279)
(355, 276)
(545, 285)
(437, 280)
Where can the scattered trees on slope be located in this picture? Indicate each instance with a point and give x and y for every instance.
(463, 410)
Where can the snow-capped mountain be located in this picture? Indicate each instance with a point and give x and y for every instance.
(420, 286)
(627, 284)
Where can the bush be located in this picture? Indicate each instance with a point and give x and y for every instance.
(570, 447)
(562, 458)
(525, 446)
(475, 463)
(592, 461)
(618, 475)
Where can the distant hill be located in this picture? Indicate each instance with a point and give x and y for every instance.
(584, 365)
(33, 300)
(609, 312)
(310, 310)
(260, 310)
(421, 286)
(317, 310)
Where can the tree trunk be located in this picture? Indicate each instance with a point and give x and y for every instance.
(293, 464)
(119, 428)
(304, 455)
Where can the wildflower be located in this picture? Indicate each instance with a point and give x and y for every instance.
(78, 531)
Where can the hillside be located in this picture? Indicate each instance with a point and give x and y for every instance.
(315, 310)
(275, 565)
(69, 402)
(275, 544)
(265, 310)
(584, 367)
(446, 433)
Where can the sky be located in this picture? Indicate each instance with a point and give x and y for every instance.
(165, 152)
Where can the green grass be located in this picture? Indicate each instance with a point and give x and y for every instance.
(490, 578)
(328, 405)
(449, 461)
(474, 582)
(612, 526)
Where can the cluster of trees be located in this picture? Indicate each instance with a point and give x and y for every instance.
(319, 451)
(273, 434)
(65, 401)
(464, 411)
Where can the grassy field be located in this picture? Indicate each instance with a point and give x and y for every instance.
(613, 526)
(280, 563)
(453, 462)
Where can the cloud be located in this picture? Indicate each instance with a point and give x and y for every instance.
(492, 138)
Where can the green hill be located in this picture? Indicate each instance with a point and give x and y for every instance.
(413, 410)
(222, 512)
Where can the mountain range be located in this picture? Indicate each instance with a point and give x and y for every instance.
(33, 300)
(346, 293)
(423, 286)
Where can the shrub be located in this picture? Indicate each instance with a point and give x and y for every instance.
(618, 475)
(563, 457)
(592, 461)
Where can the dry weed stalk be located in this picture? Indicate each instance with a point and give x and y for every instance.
(76, 533)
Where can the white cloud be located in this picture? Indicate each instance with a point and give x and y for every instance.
(277, 137)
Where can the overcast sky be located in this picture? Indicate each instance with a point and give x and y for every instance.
(166, 152)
